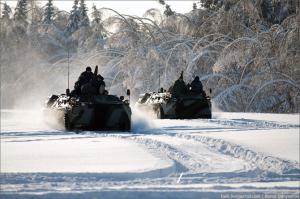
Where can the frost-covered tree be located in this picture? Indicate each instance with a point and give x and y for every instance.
(48, 13)
(5, 24)
(250, 63)
(35, 13)
(96, 15)
(98, 32)
(6, 12)
(283, 9)
(84, 19)
(206, 3)
(194, 6)
(74, 19)
(212, 4)
(267, 10)
(162, 2)
(97, 25)
(168, 11)
(20, 14)
(275, 11)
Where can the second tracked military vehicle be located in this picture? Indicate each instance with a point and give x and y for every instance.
(181, 102)
(165, 106)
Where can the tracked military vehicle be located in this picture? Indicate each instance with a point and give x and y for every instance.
(88, 106)
(88, 112)
(165, 106)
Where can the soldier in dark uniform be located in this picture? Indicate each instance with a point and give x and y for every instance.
(196, 86)
(179, 88)
(83, 79)
(89, 83)
(99, 84)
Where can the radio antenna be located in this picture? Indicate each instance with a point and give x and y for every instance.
(68, 68)
(68, 89)
(158, 78)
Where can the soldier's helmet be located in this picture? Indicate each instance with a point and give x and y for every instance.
(89, 69)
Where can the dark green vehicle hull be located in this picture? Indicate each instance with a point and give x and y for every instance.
(192, 106)
(95, 113)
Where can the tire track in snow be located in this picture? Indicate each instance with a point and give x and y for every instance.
(251, 123)
(261, 167)
(195, 169)
(182, 161)
(271, 165)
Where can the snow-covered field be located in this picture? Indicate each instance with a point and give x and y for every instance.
(233, 155)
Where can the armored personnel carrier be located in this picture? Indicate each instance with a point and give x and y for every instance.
(88, 112)
(165, 106)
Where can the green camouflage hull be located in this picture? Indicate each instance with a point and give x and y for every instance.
(190, 106)
(97, 113)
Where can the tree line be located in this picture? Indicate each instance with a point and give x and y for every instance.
(246, 51)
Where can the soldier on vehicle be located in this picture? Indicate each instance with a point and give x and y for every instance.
(85, 76)
(95, 86)
(196, 85)
(99, 84)
(83, 79)
(179, 88)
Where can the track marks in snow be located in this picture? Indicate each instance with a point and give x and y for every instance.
(202, 159)
(194, 160)
(253, 123)
(261, 161)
